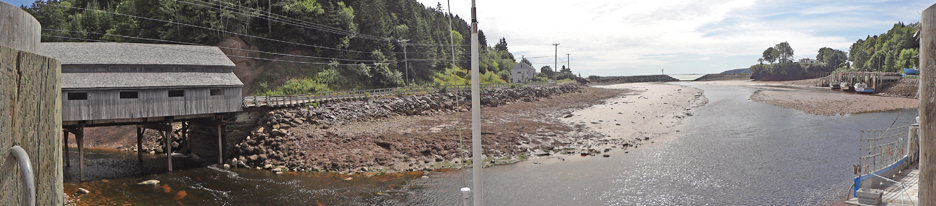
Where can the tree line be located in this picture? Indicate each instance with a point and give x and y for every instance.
(332, 44)
(787, 69)
(888, 52)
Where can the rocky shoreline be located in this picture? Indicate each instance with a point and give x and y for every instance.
(599, 80)
(366, 136)
(721, 77)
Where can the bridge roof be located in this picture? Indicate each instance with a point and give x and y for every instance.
(94, 80)
(109, 53)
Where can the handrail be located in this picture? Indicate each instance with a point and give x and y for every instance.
(29, 187)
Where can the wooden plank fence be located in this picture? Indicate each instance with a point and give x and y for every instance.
(299, 100)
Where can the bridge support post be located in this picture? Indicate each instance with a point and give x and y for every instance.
(65, 147)
(220, 143)
(140, 131)
(79, 138)
(167, 136)
(927, 182)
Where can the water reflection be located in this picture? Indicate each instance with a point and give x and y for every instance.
(731, 152)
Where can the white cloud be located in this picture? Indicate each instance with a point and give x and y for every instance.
(611, 37)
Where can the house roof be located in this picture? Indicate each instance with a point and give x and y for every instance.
(524, 66)
(109, 53)
(94, 80)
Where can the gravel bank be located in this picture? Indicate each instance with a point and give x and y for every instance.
(417, 133)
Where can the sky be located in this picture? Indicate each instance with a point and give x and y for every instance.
(641, 37)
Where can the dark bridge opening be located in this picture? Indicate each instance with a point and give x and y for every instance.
(77, 96)
(176, 93)
(129, 95)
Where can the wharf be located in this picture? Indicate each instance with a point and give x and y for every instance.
(894, 194)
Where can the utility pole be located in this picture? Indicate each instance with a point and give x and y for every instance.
(927, 182)
(569, 61)
(405, 59)
(556, 62)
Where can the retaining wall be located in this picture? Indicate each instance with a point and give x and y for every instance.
(30, 110)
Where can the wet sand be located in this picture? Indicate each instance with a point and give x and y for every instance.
(802, 96)
(650, 110)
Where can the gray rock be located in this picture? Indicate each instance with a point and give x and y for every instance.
(149, 182)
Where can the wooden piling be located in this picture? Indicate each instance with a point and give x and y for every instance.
(140, 131)
(79, 136)
(220, 145)
(927, 182)
(65, 148)
(168, 137)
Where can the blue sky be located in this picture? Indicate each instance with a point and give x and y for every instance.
(614, 37)
(635, 37)
(18, 2)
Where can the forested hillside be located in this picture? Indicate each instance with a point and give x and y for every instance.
(888, 52)
(292, 46)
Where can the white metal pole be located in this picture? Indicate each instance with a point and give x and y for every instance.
(476, 161)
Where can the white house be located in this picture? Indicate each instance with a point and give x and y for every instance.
(522, 73)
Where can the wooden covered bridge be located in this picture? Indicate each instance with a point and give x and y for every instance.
(153, 85)
(148, 85)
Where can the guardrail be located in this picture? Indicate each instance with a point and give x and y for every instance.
(29, 182)
(299, 100)
(884, 153)
(881, 148)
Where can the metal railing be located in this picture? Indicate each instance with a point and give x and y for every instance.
(298, 100)
(29, 183)
(881, 148)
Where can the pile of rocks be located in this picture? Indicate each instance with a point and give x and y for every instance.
(272, 145)
(154, 142)
(904, 87)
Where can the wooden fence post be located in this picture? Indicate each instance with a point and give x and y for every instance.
(927, 182)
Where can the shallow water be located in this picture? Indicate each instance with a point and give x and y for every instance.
(733, 151)
(686, 77)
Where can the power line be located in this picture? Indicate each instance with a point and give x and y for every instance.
(188, 43)
(247, 57)
(286, 20)
(300, 23)
(213, 29)
(268, 59)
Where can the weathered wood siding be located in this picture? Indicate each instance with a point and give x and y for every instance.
(30, 116)
(107, 104)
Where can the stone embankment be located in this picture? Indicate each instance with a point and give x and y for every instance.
(719, 77)
(902, 88)
(299, 139)
(630, 79)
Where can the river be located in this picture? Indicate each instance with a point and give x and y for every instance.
(733, 151)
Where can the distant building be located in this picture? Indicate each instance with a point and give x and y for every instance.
(522, 73)
(118, 82)
(809, 61)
